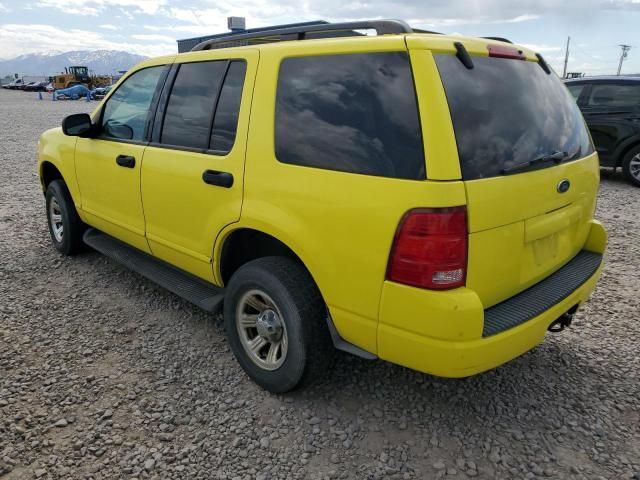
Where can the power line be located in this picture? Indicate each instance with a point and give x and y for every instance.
(581, 51)
(623, 55)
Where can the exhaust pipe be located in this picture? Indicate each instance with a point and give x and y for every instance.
(563, 321)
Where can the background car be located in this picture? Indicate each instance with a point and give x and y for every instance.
(29, 87)
(611, 108)
(15, 85)
(36, 87)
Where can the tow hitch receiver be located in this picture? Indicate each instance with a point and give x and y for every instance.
(563, 321)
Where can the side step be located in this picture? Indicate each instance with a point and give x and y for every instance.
(191, 288)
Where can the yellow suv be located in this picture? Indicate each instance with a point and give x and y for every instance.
(415, 197)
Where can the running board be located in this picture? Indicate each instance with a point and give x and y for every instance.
(191, 288)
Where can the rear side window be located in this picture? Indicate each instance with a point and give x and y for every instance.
(187, 121)
(615, 95)
(353, 113)
(506, 112)
(226, 119)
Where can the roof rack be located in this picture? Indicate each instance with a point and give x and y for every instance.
(420, 30)
(382, 27)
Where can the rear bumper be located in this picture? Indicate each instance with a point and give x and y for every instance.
(441, 333)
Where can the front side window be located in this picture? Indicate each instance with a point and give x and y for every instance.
(126, 112)
(615, 95)
(353, 113)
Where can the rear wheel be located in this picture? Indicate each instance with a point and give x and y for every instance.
(275, 321)
(65, 226)
(631, 166)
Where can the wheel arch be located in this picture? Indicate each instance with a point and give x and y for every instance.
(623, 149)
(243, 244)
(48, 173)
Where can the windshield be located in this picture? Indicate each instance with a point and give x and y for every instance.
(506, 112)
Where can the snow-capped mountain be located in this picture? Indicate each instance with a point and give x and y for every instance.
(50, 63)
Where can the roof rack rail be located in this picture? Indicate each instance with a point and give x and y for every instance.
(500, 39)
(382, 27)
(420, 30)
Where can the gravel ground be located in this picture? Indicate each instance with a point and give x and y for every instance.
(104, 375)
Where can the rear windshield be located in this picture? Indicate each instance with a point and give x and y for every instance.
(506, 112)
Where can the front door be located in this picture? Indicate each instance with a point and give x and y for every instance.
(108, 166)
(192, 173)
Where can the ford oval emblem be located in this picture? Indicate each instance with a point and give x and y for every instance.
(563, 186)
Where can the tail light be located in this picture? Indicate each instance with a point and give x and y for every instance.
(430, 249)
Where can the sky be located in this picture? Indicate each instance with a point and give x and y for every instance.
(151, 27)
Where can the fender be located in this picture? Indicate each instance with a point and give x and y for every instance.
(58, 149)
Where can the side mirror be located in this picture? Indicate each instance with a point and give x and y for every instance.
(77, 125)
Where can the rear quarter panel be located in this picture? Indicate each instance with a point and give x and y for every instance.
(340, 224)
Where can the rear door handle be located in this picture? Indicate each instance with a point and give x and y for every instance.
(219, 179)
(126, 161)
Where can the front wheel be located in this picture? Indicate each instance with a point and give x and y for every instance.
(65, 226)
(631, 166)
(275, 321)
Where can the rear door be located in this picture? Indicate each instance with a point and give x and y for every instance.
(525, 221)
(612, 111)
(192, 173)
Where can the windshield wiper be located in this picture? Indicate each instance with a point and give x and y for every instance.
(555, 157)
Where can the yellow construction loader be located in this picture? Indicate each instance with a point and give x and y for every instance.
(78, 75)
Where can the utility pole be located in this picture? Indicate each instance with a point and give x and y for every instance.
(623, 55)
(566, 59)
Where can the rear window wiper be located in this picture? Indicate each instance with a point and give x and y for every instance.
(555, 157)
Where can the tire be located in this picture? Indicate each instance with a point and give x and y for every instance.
(631, 166)
(61, 212)
(288, 301)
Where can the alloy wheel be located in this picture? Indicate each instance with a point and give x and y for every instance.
(634, 167)
(262, 331)
(55, 219)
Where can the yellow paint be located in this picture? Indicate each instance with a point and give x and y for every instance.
(342, 225)
(183, 214)
(110, 192)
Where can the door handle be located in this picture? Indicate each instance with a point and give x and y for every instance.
(126, 161)
(219, 179)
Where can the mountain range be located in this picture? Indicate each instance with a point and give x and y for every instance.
(50, 63)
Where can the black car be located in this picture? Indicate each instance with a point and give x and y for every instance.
(611, 108)
(36, 87)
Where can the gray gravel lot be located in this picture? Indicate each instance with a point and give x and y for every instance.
(104, 375)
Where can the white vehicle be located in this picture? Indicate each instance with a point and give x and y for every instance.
(15, 85)
(19, 83)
